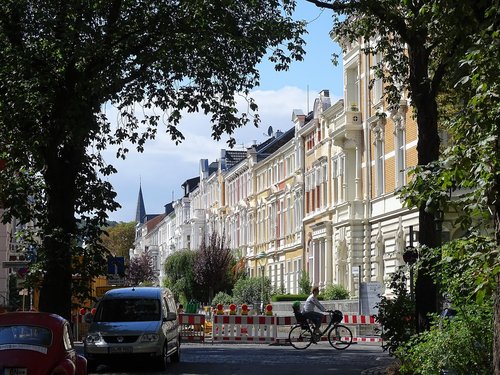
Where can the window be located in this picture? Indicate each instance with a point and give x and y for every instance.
(128, 310)
(377, 89)
(400, 156)
(352, 85)
(379, 158)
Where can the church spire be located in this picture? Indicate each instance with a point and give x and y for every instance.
(140, 212)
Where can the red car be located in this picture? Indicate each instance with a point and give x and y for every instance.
(35, 343)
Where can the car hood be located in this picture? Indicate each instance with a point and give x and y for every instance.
(115, 328)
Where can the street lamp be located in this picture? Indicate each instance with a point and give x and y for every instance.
(262, 260)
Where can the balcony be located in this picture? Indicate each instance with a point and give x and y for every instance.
(347, 126)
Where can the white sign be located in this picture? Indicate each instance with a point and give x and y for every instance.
(369, 297)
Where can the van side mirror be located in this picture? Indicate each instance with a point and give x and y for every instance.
(171, 316)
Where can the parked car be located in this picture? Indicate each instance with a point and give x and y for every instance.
(138, 322)
(36, 343)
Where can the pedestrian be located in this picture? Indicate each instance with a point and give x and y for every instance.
(180, 309)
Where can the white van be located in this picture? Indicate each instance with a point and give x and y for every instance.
(138, 321)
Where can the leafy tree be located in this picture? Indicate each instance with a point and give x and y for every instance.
(119, 239)
(62, 62)
(141, 270)
(421, 42)
(305, 283)
(470, 170)
(462, 343)
(180, 277)
(249, 290)
(212, 264)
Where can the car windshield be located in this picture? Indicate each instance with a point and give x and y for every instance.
(128, 310)
(24, 334)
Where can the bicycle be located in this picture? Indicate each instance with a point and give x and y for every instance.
(301, 335)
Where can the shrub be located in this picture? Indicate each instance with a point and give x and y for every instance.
(335, 292)
(304, 283)
(396, 315)
(222, 298)
(250, 290)
(461, 345)
(289, 297)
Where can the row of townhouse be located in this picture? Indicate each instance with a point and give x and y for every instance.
(319, 197)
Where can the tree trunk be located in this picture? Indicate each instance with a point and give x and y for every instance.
(496, 294)
(55, 293)
(64, 153)
(496, 326)
(424, 99)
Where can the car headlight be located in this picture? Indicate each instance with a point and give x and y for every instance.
(93, 338)
(149, 337)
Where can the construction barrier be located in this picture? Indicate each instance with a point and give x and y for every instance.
(192, 327)
(244, 328)
(275, 329)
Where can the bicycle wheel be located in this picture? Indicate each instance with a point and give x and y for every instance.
(340, 337)
(300, 337)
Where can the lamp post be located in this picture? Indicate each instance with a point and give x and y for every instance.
(262, 260)
(410, 256)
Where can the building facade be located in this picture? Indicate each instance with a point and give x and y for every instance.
(319, 198)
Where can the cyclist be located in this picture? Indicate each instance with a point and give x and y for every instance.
(308, 311)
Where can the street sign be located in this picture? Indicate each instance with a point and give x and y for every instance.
(116, 266)
(16, 264)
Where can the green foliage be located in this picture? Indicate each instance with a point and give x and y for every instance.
(223, 298)
(334, 292)
(249, 290)
(179, 276)
(304, 283)
(396, 315)
(61, 65)
(467, 268)
(461, 344)
(15, 300)
(119, 238)
(278, 290)
(290, 297)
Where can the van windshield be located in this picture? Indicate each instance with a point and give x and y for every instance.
(128, 310)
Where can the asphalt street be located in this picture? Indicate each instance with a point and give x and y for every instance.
(263, 359)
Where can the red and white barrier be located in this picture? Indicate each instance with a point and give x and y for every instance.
(244, 328)
(192, 327)
(273, 329)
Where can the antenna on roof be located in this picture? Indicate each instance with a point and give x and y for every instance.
(307, 99)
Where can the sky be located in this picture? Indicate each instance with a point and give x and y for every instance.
(163, 166)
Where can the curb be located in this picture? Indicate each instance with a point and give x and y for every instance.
(375, 371)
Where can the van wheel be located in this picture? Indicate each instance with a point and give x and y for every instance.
(176, 357)
(162, 360)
